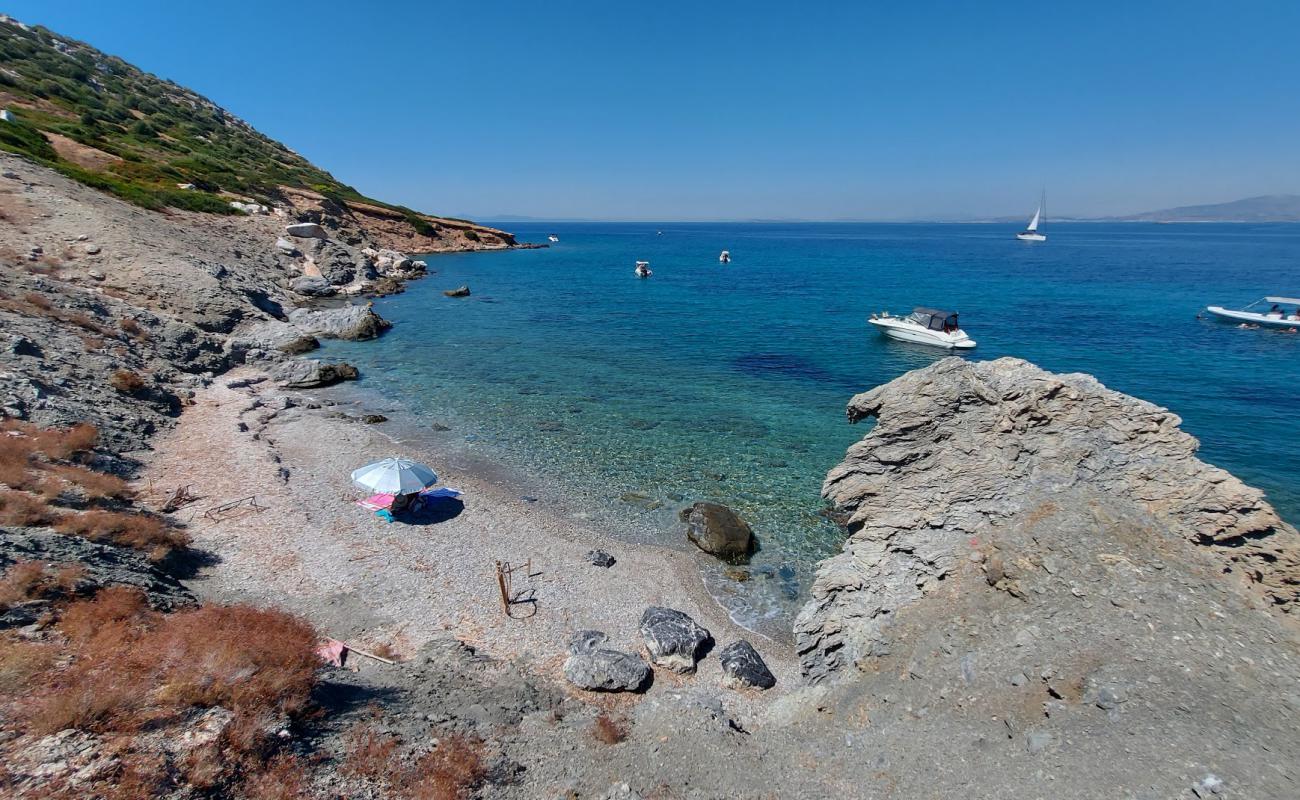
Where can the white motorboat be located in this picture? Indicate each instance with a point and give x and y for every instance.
(1274, 317)
(553, 238)
(725, 258)
(643, 269)
(1030, 233)
(930, 326)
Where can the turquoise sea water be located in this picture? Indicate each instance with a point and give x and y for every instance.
(728, 382)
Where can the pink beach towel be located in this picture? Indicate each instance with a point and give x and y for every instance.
(377, 502)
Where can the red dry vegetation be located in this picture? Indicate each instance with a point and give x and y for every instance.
(448, 772)
(126, 381)
(53, 443)
(608, 730)
(23, 509)
(370, 753)
(31, 580)
(150, 534)
(95, 485)
(121, 668)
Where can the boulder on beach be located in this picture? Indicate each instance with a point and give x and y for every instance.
(305, 230)
(311, 286)
(462, 291)
(743, 667)
(312, 373)
(673, 639)
(600, 558)
(594, 668)
(718, 530)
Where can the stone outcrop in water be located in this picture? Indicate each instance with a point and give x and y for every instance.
(963, 450)
(718, 530)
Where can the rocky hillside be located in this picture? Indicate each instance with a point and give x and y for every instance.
(111, 313)
(103, 122)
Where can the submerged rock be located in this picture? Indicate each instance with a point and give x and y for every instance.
(743, 667)
(462, 291)
(718, 530)
(673, 639)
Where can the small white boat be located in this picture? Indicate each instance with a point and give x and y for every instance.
(643, 269)
(553, 238)
(924, 326)
(1030, 233)
(725, 258)
(1274, 317)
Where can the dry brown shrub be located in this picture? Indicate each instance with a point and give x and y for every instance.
(23, 581)
(20, 508)
(54, 443)
(77, 439)
(245, 659)
(132, 327)
(149, 534)
(608, 730)
(21, 661)
(126, 381)
(370, 753)
(92, 342)
(96, 485)
(114, 612)
(133, 667)
(449, 772)
(43, 268)
(283, 778)
(15, 460)
(38, 300)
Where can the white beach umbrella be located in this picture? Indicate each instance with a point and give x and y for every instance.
(394, 476)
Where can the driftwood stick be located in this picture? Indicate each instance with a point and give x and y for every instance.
(367, 655)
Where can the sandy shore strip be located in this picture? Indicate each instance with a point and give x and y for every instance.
(314, 552)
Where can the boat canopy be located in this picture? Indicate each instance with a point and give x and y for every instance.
(935, 319)
(1291, 300)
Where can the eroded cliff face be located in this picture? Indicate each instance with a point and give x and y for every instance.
(962, 452)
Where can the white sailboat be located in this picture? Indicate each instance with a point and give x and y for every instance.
(1030, 233)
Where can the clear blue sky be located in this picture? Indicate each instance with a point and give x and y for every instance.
(720, 110)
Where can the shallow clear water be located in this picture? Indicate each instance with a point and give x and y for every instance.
(728, 382)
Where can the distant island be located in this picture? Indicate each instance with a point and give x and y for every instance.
(1265, 208)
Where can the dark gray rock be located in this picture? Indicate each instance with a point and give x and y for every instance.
(373, 419)
(717, 530)
(22, 346)
(607, 671)
(312, 373)
(462, 291)
(743, 667)
(103, 565)
(312, 286)
(600, 558)
(348, 322)
(584, 642)
(673, 639)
